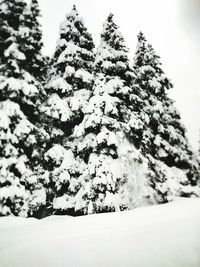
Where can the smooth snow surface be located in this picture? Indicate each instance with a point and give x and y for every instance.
(156, 236)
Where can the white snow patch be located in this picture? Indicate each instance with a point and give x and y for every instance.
(157, 236)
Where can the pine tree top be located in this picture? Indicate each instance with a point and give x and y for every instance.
(112, 53)
(112, 36)
(73, 15)
(148, 67)
(141, 37)
(73, 37)
(110, 17)
(74, 8)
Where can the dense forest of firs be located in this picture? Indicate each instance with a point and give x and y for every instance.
(86, 131)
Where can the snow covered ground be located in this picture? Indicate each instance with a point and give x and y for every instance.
(156, 236)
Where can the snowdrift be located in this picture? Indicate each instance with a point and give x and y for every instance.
(157, 236)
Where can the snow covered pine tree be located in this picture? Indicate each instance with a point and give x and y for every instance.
(68, 89)
(20, 190)
(106, 123)
(172, 163)
(114, 174)
(31, 39)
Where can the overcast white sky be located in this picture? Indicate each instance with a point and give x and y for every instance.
(173, 28)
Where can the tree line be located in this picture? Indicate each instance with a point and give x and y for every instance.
(86, 131)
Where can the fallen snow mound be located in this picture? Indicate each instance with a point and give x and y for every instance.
(157, 236)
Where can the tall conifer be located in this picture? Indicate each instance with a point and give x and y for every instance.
(20, 189)
(164, 141)
(68, 89)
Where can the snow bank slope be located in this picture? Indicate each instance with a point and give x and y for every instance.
(157, 236)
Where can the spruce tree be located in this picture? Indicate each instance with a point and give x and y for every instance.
(31, 39)
(68, 89)
(20, 189)
(111, 173)
(164, 141)
(70, 80)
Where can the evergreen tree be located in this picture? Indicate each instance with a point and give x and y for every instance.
(68, 89)
(164, 139)
(70, 80)
(111, 173)
(20, 189)
(31, 39)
